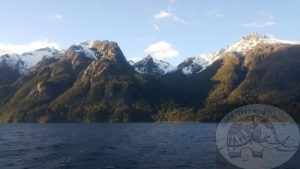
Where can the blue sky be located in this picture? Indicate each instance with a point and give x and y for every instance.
(171, 30)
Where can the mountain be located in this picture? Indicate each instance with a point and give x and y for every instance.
(131, 62)
(153, 67)
(253, 41)
(27, 60)
(256, 69)
(93, 82)
(9, 69)
(14, 65)
(193, 65)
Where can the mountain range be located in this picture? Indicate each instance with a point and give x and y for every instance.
(93, 82)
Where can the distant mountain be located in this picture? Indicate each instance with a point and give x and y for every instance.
(154, 67)
(14, 65)
(252, 41)
(131, 62)
(197, 64)
(93, 82)
(27, 60)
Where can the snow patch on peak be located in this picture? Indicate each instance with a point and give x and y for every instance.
(206, 59)
(164, 66)
(89, 43)
(187, 70)
(30, 59)
(251, 41)
(86, 48)
(273, 40)
(26, 61)
(197, 64)
(150, 65)
(10, 60)
(131, 62)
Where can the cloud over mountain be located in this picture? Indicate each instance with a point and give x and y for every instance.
(161, 50)
(8, 48)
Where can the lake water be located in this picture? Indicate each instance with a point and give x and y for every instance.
(112, 146)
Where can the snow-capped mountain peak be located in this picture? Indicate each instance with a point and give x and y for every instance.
(97, 50)
(10, 60)
(251, 41)
(32, 58)
(86, 48)
(197, 64)
(131, 62)
(152, 66)
(89, 43)
(26, 61)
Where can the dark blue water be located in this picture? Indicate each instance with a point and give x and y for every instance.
(110, 146)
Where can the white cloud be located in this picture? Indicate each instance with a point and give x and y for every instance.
(214, 14)
(7, 48)
(166, 15)
(161, 50)
(55, 17)
(267, 14)
(266, 21)
(162, 14)
(260, 24)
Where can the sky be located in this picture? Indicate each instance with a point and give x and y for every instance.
(171, 30)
